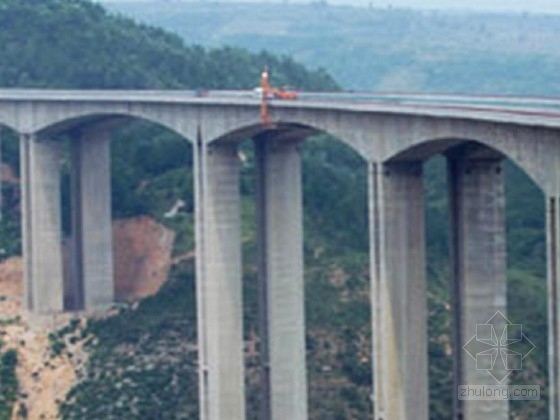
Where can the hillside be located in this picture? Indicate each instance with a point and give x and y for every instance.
(62, 43)
(379, 48)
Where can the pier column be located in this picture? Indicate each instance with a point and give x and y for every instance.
(398, 271)
(41, 224)
(219, 285)
(92, 286)
(553, 274)
(280, 262)
(477, 203)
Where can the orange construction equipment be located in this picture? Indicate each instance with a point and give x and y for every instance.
(282, 93)
(269, 92)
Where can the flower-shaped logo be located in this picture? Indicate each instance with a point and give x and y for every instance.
(499, 347)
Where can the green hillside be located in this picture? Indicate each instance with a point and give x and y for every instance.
(379, 48)
(143, 361)
(76, 44)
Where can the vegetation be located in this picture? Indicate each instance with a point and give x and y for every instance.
(375, 48)
(8, 382)
(76, 44)
(143, 359)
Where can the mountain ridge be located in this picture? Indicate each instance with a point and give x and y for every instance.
(379, 48)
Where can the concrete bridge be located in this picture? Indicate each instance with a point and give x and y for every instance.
(393, 134)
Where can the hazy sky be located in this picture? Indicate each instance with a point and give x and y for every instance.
(533, 6)
(541, 6)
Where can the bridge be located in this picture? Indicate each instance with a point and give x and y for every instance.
(394, 134)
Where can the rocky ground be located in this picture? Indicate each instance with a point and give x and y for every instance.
(46, 369)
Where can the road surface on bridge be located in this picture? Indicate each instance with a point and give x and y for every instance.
(542, 111)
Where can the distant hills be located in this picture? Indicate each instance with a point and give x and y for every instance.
(496, 6)
(380, 49)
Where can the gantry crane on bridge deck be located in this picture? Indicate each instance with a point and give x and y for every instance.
(267, 92)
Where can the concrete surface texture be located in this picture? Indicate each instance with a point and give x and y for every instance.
(280, 225)
(479, 267)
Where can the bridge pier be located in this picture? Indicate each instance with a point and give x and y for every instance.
(282, 313)
(219, 285)
(397, 249)
(92, 285)
(477, 202)
(41, 224)
(553, 274)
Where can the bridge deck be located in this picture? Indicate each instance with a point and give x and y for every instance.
(543, 111)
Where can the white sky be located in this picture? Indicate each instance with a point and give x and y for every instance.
(533, 6)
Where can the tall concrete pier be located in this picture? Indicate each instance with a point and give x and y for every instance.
(398, 291)
(553, 253)
(280, 225)
(477, 200)
(220, 312)
(92, 240)
(41, 241)
(394, 139)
